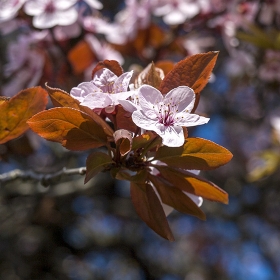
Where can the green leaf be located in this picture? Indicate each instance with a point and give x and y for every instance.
(188, 182)
(96, 162)
(175, 198)
(265, 164)
(149, 209)
(196, 153)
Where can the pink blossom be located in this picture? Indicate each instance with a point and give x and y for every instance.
(95, 4)
(136, 15)
(166, 115)
(9, 9)
(25, 65)
(103, 50)
(269, 71)
(177, 11)
(48, 13)
(104, 91)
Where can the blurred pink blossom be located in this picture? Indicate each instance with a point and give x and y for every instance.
(269, 71)
(9, 9)
(49, 13)
(135, 16)
(176, 11)
(25, 65)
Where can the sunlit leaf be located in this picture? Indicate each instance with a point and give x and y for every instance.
(4, 99)
(147, 140)
(81, 57)
(96, 162)
(112, 65)
(74, 129)
(194, 71)
(151, 75)
(149, 209)
(62, 98)
(16, 111)
(187, 181)
(165, 65)
(175, 198)
(196, 153)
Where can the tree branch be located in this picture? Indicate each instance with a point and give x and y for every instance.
(44, 179)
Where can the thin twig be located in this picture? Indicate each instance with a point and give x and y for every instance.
(43, 178)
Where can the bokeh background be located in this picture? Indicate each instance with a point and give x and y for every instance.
(80, 232)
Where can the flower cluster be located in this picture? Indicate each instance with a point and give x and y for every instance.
(142, 120)
(166, 115)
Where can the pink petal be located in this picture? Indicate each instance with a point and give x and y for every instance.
(122, 82)
(183, 96)
(143, 121)
(149, 97)
(172, 136)
(187, 120)
(100, 100)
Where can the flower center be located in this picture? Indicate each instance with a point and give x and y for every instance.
(50, 8)
(167, 113)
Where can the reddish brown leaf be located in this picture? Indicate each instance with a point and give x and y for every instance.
(96, 162)
(62, 98)
(151, 75)
(165, 65)
(149, 209)
(194, 72)
(16, 111)
(74, 129)
(175, 198)
(187, 181)
(124, 120)
(81, 57)
(139, 177)
(112, 65)
(123, 139)
(196, 153)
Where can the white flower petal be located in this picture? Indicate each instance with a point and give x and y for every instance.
(67, 17)
(99, 100)
(95, 4)
(83, 89)
(128, 105)
(183, 96)
(122, 82)
(172, 136)
(188, 120)
(120, 96)
(148, 97)
(64, 4)
(34, 8)
(142, 121)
